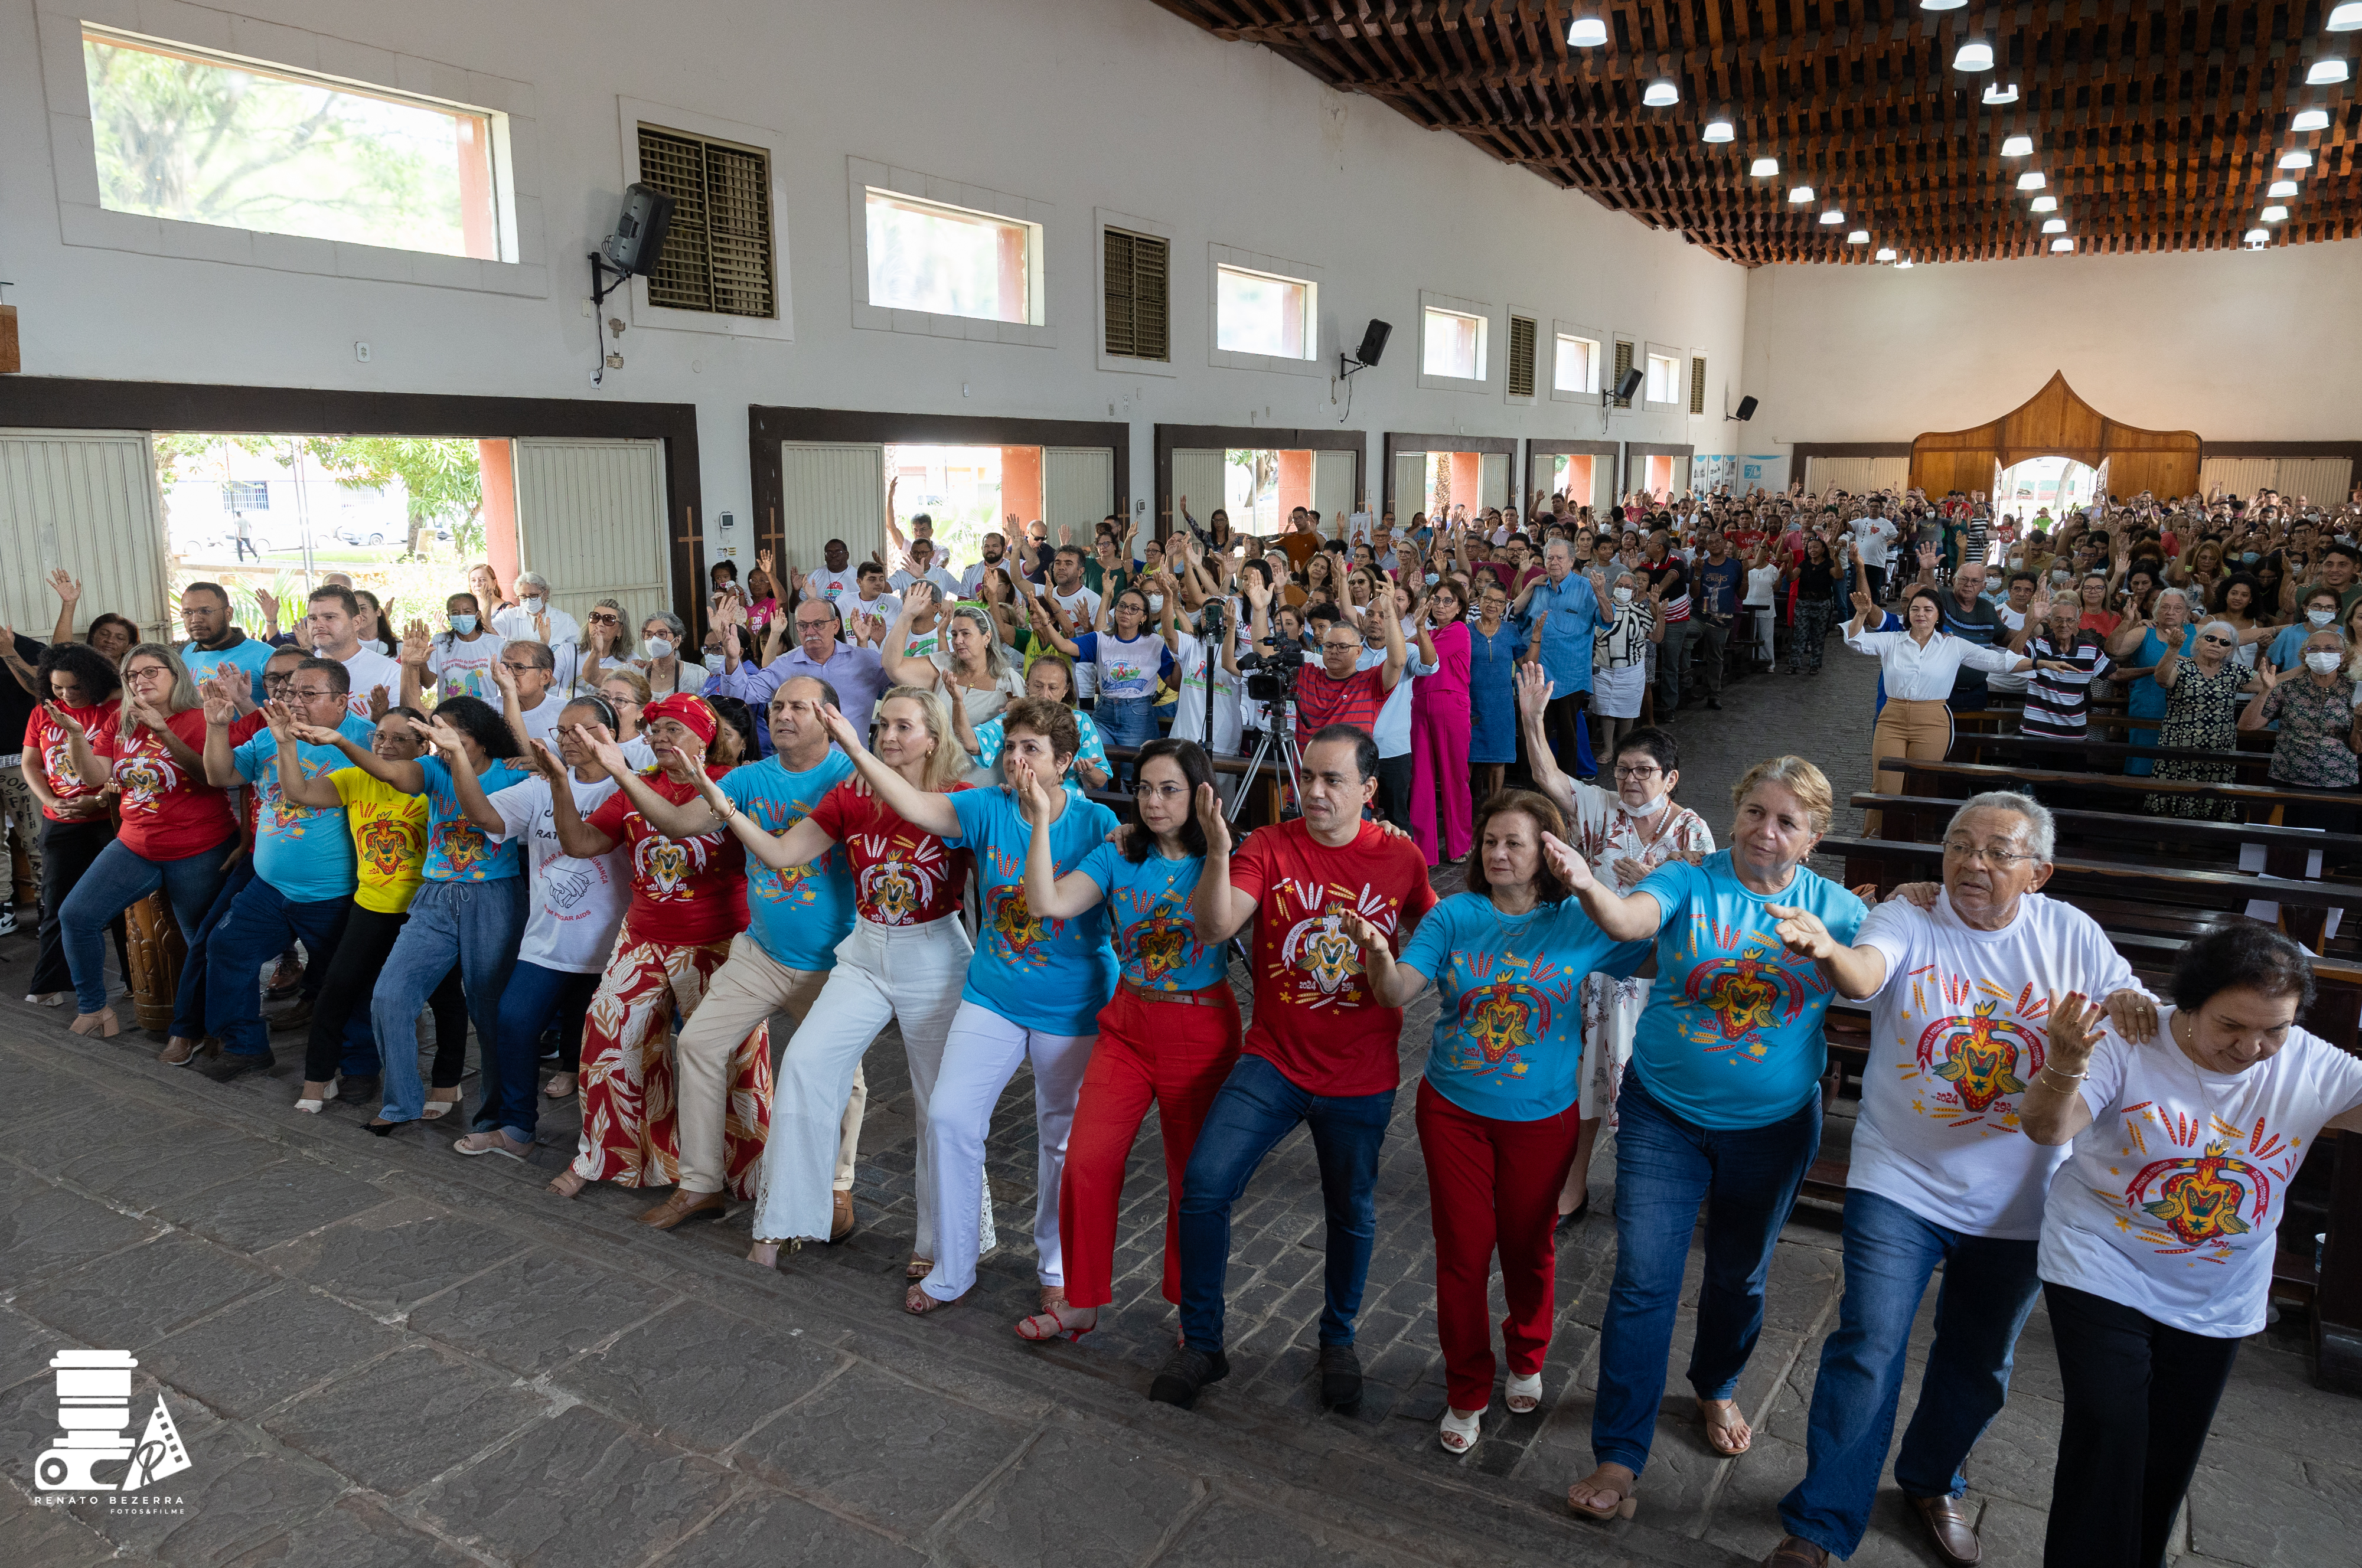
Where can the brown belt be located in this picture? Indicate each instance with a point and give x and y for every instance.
(1210, 996)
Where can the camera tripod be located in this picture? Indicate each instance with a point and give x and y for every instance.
(1278, 734)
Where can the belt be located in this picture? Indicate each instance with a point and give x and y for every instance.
(1208, 997)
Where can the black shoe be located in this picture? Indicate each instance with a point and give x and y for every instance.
(1568, 1222)
(1341, 1378)
(1185, 1374)
(223, 1066)
(1715, 704)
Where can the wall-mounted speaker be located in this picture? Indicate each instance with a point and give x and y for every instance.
(1628, 385)
(1373, 341)
(1746, 409)
(639, 236)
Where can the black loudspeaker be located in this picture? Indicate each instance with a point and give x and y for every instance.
(1628, 385)
(1746, 409)
(639, 236)
(1373, 341)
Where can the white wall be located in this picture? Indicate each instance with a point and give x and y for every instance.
(2237, 346)
(1078, 104)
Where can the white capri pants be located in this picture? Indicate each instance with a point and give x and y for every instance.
(1611, 1015)
(908, 975)
(979, 1059)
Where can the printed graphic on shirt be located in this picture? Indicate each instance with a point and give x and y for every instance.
(462, 846)
(666, 866)
(1510, 1006)
(1973, 1057)
(1749, 982)
(277, 815)
(147, 774)
(1009, 922)
(2200, 1201)
(1317, 965)
(1161, 940)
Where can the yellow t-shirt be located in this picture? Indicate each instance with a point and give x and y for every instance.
(389, 832)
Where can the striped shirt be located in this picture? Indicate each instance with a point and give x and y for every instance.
(2058, 702)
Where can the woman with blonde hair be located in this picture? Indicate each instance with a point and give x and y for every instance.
(904, 963)
(976, 670)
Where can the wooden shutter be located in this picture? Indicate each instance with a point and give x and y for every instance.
(1521, 357)
(1410, 486)
(717, 256)
(1623, 367)
(1697, 383)
(1139, 309)
(590, 517)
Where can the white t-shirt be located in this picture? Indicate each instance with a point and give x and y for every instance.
(1872, 536)
(2170, 1202)
(1761, 583)
(886, 607)
(945, 583)
(465, 669)
(833, 585)
(370, 667)
(541, 721)
(1957, 1033)
(1189, 716)
(576, 904)
(1082, 608)
(514, 626)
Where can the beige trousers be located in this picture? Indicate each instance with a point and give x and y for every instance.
(1907, 730)
(749, 989)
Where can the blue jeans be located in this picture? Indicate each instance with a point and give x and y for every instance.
(1666, 1166)
(257, 927)
(1989, 1288)
(1124, 721)
(189, 996)
(533, 997)
(118, 880)
(476, 925)
(1255, 1108)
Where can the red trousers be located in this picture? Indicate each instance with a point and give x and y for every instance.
(1174, 1053)
(1493, 1185)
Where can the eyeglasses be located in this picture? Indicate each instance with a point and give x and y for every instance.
(310, 692)
(599, 620)
(518, 668)
(1161, 791)
(1991, 855)
(273, 682)
(1637, 772)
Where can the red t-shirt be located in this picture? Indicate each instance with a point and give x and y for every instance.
(168, 813)
(901, 875)
(1313, 1017)
(685, 891)
(1322, 700)
(46, 748)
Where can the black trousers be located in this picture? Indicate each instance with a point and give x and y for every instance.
(347, 982)
(2140, 1397)
(1394, 789)
(67, 850)
(1562, 721)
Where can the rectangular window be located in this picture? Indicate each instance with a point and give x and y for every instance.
(246, 495)
(1454, 344)
(1139, 298)
(1262, 313)
(1664, 379)
(717, 254)
(1577, 368)
(183, 135)
(1521, 356)
(1623, 368)
(950, 262)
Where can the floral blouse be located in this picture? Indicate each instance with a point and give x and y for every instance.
(2311, 753)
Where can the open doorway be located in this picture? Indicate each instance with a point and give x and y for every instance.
(1263, 486)
(2039, 492)
(1570, 474)
(965, 492)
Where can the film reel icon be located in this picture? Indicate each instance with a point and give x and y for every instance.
(52, 1469)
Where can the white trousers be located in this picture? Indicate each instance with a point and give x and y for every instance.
(979, 1059)
(906, 975)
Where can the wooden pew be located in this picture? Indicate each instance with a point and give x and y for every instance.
(2055, 787)
(2042, 751)
(1924, 816)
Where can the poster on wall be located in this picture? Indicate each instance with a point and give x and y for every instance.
(1711, 470)
(1761, 471)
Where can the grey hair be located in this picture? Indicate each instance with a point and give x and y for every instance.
(539, 654)
(534, 578)
(1559, 546)
(2041, 828)
(2178, 593)
(673, 624)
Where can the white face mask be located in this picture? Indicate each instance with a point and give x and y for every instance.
(1623, 594)
(2321, 661)
(658, 647)
(2321, 617)
(1651, 809)
(531, 603)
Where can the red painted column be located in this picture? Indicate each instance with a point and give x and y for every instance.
(1295, 483)
(499, 509)
(1021, 485)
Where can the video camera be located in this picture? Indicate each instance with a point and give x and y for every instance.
(1270, 677)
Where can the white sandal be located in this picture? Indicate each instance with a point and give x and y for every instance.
(1458, 1434)
(1524, 1394)
(312, 1107)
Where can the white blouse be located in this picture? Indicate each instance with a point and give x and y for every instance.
(1917, 674)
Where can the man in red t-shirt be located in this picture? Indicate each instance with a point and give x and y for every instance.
(1319, 1049)
(1336, 690)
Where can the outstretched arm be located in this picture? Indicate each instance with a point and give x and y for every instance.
(1626, 917)
(921, 808)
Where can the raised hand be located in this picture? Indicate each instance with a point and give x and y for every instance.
(381, 704)
(922, 597)
(2267, 676)
(1534, 688)
(444, 736)
(417, 642)
(267, 602)
(2074, 1030)
(66, 721)
(504, 678)
(763, 560)
(1210, 817)
(1572, 869)
(66, 587)
(313, 735)
(840, 728)
(219, 709)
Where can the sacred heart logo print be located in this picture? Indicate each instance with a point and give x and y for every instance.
(1978, 1054)
(666, 865)
(1503, 1019)
(1740, 993)
(1161, 941)
(387, 843)
(1012, 922)
(2198, 1198)
(1319, 950)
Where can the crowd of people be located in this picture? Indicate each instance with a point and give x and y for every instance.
(870, 796)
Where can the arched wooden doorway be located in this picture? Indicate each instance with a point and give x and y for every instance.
(2058, 423)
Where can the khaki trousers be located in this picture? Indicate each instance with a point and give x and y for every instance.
(747, 989)
(1919, 730)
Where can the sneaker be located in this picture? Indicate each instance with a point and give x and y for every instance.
(1186, 1374)
(1341, 1377)
(8, 919)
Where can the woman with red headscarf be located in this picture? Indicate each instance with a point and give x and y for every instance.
(688, 898)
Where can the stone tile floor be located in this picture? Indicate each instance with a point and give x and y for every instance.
(380, 1354)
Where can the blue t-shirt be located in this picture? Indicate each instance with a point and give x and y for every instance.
(302, 851)
(1157, 946)
(1732, 1034)
(1508, 1032)
(1717, 586)
(456, 849)
(1052, 975)
(1126, 670)
(250, 655)
(798, 916)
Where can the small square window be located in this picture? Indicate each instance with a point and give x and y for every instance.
(1262, 313)
(1664, 379)
(950, 262)
(1576, 369)
(246, 495)
(1454, 344)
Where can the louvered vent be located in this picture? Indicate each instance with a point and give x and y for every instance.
(717, 257)
(1521, 357)
(1139, 313)
(1697, 383)
(1623, 368)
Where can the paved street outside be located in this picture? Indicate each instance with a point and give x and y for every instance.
(378, 1353)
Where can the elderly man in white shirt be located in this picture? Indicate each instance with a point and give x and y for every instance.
(1963, 979)
(533, 619)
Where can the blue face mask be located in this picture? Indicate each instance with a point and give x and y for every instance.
(463, 624)
(1432, 580)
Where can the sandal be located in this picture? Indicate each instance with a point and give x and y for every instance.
(918, 1303)
(1623, 1484)
(918, 1267)
(1458, 1433)
(1524, 1394)
(1052, 1323)
(552, 1089)
(567, 1184)
(1719, 1434)
(440, 1101)
(316, 1095)
(491, 1141)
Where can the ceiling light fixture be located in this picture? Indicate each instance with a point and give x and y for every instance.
(2346, 19)
(1800, 193)
(2281, 188)
(2044, 204)
(2328, 72)
(1975, 54)
(2062, 243)
(1859, 236)
(1885, 253)
(1941, 5)
(2297, 158)
(2001, 91)
(2054, 226)
(2031, 180)
(1662, 94)
(1588, 32)
(1767, 164)
(2017, 147)
(1832, 216)
(1720, 129)
(2274, 214)
(2309, 120)
(2259, 238)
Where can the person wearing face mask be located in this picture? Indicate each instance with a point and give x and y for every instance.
(1620, 659)
(533, 618)
(2319, 729)
(661, 638)
(2319, 613)
(458, 662)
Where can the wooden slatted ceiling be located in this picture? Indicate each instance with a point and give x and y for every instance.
(2156, 125)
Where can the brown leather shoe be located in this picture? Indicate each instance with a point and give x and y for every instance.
(682, 1206)
(177, 1051)
(1795, 1551)
(1951, 1527)
(841, 1224)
